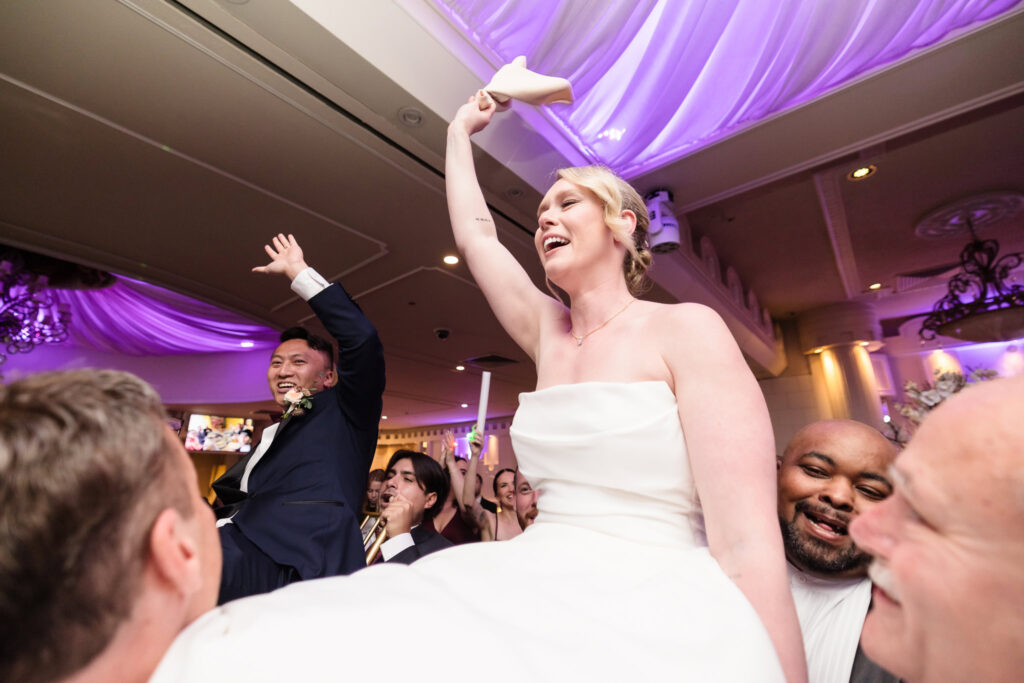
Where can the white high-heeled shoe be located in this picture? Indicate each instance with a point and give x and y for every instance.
(515, 81)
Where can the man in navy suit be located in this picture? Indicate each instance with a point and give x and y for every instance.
(291, 507)
(415, 489)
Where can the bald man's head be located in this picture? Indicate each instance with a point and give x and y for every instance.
(830, 472)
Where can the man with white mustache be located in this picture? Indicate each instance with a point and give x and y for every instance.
(948, 602)
(292, 507)
(831, 472)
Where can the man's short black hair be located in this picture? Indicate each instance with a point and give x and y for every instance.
(315, 342)
(430, 477)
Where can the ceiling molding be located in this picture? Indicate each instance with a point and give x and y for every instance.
(31, 239)
(334, 278)
(189, 158)
(830, 198)
(394, 280)
(260, 81)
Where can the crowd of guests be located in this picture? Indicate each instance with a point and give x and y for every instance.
(905, 567)
(441, 510)
(902, 565)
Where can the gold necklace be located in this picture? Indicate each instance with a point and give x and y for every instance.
(579, 340)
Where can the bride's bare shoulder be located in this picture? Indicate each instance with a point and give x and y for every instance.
(689, 327)
(684, 315)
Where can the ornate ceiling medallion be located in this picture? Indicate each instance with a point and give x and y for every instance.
(981, 304)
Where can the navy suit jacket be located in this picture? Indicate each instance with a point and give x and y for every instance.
(866, 671)
(305, 493)
(426, 541)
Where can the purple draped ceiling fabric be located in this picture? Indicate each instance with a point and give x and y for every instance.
(141, 319)
(657, 79)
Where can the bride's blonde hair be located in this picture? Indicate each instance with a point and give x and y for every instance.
(617, 196)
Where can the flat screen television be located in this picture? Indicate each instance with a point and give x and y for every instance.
(216, 433)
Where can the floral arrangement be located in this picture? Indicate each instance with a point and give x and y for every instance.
(925, 399)
(298, 401)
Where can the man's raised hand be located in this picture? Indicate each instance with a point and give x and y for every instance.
(285, 257)
(398, 515)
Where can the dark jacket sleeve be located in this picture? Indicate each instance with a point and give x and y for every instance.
(360, 356)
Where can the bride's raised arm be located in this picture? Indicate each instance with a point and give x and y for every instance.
(732, 455)
(515, 300)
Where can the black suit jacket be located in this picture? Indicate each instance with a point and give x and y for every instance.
(305, 493)
(427, 541)
(866, 671)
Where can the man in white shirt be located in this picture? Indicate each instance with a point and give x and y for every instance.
(414, 490)
(831, 472)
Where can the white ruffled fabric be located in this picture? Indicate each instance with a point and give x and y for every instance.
(613, 582)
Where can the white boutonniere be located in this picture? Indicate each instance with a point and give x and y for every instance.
(297, 402)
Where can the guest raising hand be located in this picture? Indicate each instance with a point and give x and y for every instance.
(450, 520)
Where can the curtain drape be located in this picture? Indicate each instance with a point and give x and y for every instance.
(657, 79)
(140, 319)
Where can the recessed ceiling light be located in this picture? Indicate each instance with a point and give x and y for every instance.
(410, 116)
(383, 417)
(451, 259)
(875, 285)
(247, 344)
(460, 368)
(465, 405)
(862, 172)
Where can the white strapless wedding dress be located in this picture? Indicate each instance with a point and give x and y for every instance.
(613, 582)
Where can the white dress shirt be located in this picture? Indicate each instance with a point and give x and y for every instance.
(393, 546)
(831, 613)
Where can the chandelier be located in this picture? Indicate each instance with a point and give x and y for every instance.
(29, 313)
(980, 304)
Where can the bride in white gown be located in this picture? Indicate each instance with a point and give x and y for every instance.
(653, 553)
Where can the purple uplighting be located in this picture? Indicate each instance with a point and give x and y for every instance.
(658, 79)
(140, 319)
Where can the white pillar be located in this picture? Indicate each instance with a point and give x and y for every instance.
(838, 339)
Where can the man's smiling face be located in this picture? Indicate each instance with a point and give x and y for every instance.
(831, 472)
(296, 366)
(948, 546)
